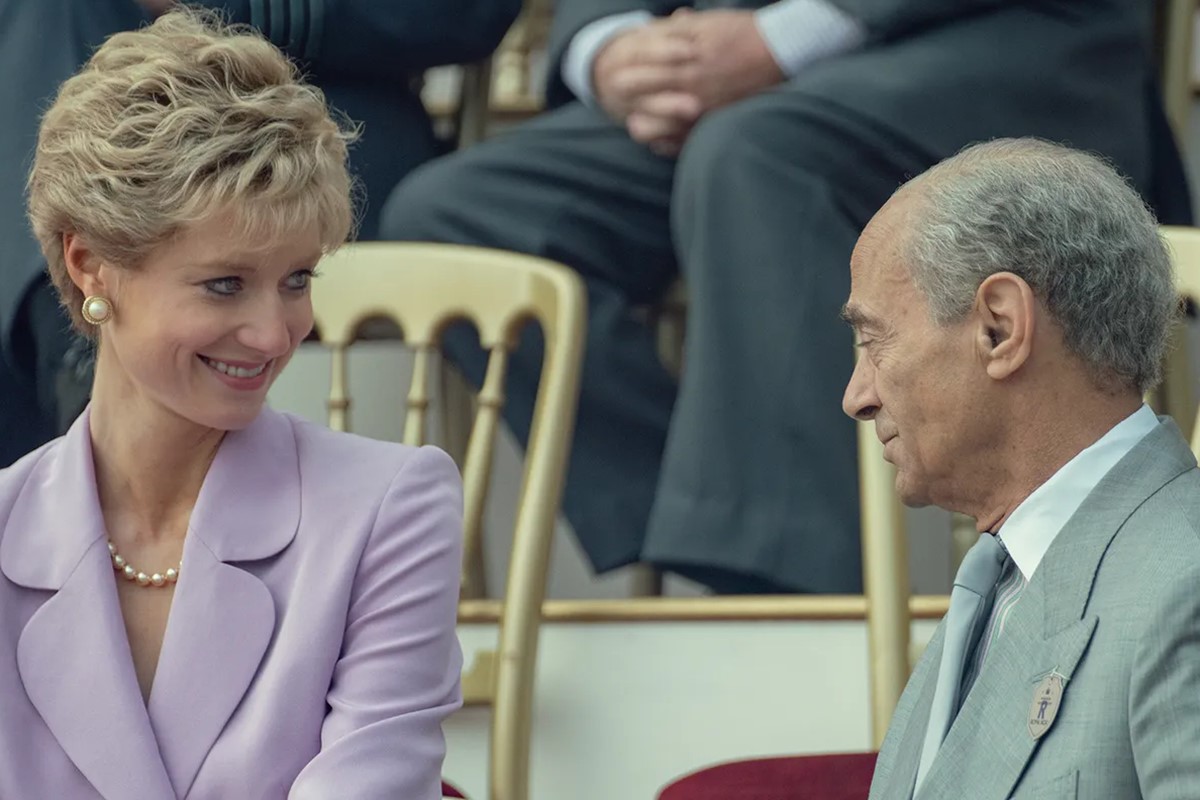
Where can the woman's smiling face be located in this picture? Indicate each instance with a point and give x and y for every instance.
(207, 322)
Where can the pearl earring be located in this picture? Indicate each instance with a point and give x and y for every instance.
(97, 310)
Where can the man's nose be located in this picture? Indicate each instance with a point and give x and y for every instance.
(860, 400)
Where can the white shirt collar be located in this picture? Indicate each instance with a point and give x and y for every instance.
(1035, 523)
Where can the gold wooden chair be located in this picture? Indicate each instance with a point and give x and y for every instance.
(498, 89)
(514, 93)
(1174, 22)
(1176, 396)
(474, 103)
(424, 287)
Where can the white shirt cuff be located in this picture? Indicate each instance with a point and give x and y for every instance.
(801, 32)
(586, 45)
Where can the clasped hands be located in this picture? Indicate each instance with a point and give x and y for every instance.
(660, 79)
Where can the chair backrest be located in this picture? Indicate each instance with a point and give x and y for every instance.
(1178, 397)
(423, 288)
(501, 85)
(1175, 19)
(474, 103)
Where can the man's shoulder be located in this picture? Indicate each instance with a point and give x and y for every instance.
(1173, 509)
(1156, 489)
(1158, 544)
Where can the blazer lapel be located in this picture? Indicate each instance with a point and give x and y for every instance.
(223, 616)
(989, 744)
(73, 654)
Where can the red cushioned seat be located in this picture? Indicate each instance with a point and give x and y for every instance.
(450, 791)
(840, 776)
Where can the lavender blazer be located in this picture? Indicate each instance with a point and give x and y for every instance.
(310, 650)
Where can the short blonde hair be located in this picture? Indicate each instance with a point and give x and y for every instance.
(171, 124)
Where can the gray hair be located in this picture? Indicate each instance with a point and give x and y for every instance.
(1066, 223)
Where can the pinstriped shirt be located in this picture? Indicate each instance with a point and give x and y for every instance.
(1037, 521)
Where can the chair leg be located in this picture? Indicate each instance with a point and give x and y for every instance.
(670, 329)
(1174, 394)
(647, 581)
(458, 411)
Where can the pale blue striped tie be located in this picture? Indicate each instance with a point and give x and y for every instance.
(1008, 591)
(970, 604)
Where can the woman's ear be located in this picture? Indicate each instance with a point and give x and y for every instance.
(84, 266)
(1007, 316)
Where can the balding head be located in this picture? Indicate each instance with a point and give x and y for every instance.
(1066, 223)
(1011, 304)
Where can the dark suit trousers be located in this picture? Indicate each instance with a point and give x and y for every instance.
(744, 475)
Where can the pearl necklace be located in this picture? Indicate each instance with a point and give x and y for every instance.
(125, 568)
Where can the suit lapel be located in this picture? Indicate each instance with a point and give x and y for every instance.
(989, 744)
(223, 616)
(73, 654)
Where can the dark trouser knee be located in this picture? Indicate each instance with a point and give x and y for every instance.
(425, 205)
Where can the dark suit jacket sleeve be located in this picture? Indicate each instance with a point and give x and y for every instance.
(571, 16)
(889, 19)
(377, 39)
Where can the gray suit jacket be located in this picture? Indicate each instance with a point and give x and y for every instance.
(1115, 608)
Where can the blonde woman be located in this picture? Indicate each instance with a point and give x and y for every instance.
(363, 54)
(200, 597)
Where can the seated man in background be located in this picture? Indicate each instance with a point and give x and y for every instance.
(745, 149)
(364, 54)
(1013, 306)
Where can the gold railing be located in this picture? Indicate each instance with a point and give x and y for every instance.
(767, 608)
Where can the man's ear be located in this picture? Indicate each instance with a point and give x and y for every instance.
(1006, 316)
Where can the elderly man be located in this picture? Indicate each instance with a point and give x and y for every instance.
(1012, 306)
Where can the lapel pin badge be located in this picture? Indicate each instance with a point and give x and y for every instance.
(1047, 698)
